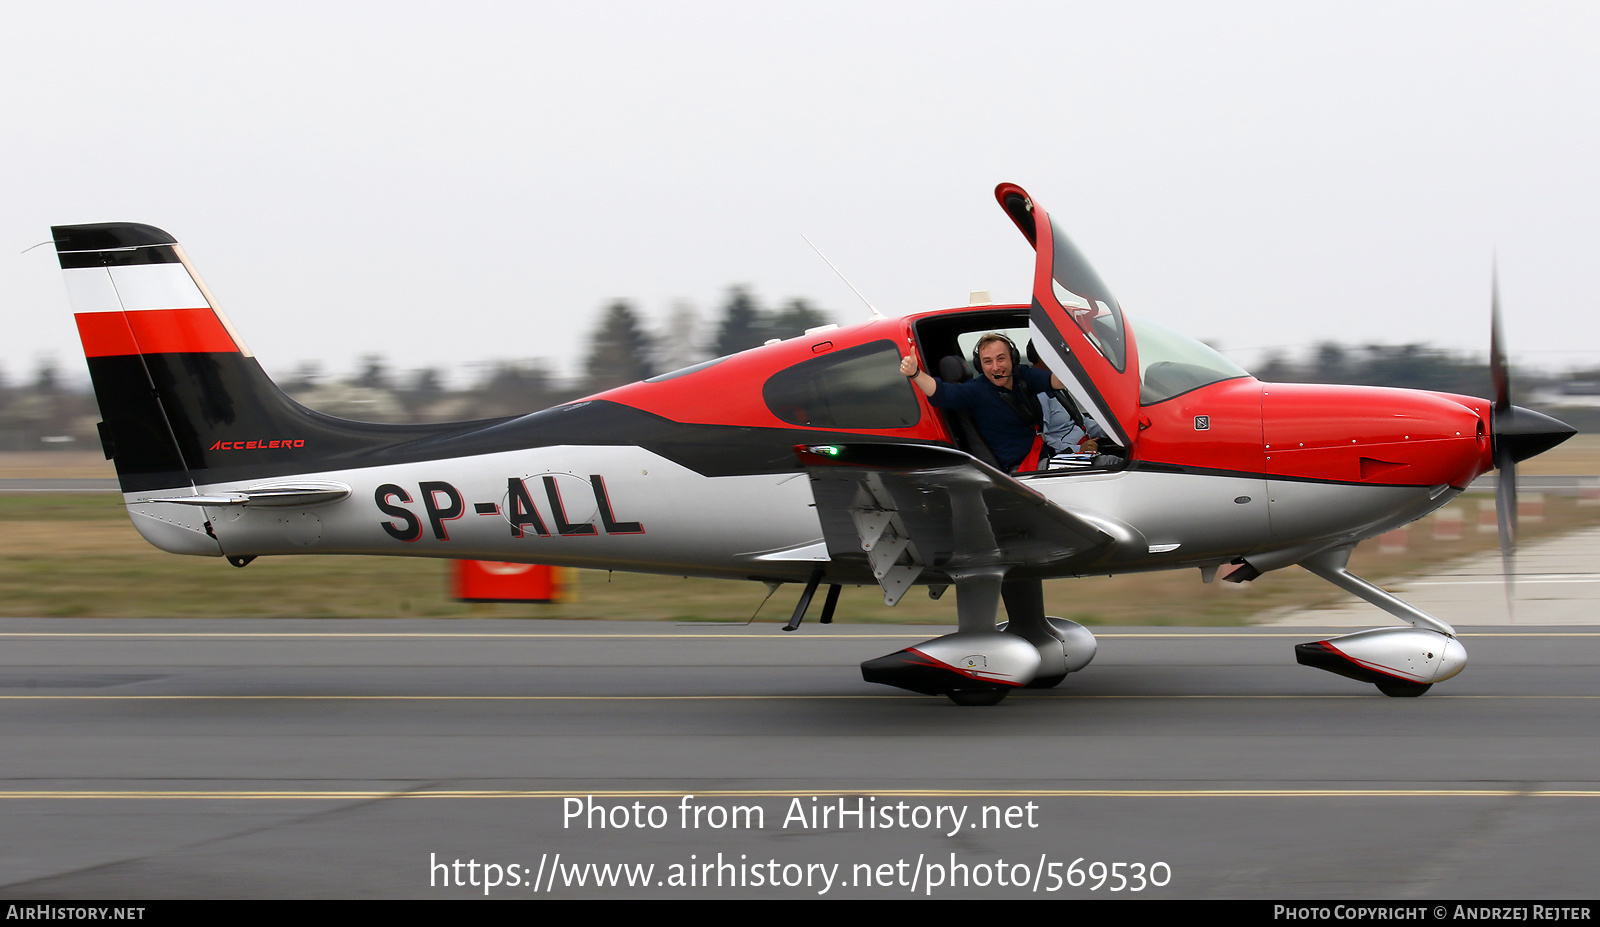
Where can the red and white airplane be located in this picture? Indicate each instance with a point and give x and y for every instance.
(813, 460)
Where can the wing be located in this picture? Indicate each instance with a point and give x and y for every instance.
(910, 509)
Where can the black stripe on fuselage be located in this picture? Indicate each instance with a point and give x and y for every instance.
(1151, 467)
(219, 403)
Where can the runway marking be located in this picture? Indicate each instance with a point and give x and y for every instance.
(373, 795)
(1522, 579)
(728, 636)
(542, 635)
(1525, 634)
(702, 698)
(448, 635)
(444, 698)
(1498, 576)
(63, 489)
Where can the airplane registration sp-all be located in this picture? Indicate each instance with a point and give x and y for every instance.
(821, 459)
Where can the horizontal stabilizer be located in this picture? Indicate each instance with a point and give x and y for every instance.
(299, 495)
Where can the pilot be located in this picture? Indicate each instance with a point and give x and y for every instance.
(1065, 429)
(1004, 401)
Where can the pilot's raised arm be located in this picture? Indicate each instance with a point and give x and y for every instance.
(911, 369)
(1002, 400)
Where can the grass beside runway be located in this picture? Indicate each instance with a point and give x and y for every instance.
(76, 555)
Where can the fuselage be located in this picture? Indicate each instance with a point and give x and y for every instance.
(695, 472)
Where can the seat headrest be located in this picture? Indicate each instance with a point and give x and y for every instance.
(953, 369)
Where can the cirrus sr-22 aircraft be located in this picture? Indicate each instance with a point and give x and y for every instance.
(814, 460)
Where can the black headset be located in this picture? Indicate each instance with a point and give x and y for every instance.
(977, 363)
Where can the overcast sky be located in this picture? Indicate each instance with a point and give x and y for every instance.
(455, 183)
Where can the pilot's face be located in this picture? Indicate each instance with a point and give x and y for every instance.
(995, 357)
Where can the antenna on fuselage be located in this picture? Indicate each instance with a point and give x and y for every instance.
(875, 313)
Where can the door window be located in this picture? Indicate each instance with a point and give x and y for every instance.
(856, 388)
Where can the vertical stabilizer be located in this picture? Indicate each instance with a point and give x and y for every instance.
(148, 327)
(184, 404)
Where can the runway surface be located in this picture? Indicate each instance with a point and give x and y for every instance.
(296, 758)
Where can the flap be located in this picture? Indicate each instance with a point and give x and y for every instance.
(917, 507)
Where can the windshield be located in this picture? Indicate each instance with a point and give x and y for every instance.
(1086, 298)
(1170, 363)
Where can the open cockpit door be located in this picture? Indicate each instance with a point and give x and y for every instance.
(1077, 324)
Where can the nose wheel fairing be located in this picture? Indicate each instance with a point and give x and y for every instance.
(1401, 662)
(1397, 658)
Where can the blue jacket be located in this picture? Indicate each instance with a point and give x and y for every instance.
(1007, 435)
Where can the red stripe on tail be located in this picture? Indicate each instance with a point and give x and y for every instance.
(153, 331)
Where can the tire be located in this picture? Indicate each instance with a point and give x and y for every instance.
(1398, 689)
(978, 697)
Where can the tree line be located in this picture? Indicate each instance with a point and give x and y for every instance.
(1409, 366)
(622, 351)
(47, 412)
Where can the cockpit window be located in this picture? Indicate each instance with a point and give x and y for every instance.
(1171, 364)
(1086, 298)
(857, 388)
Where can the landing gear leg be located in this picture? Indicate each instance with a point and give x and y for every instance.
(1401, 662)
(805, 601)
(1064, 646)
